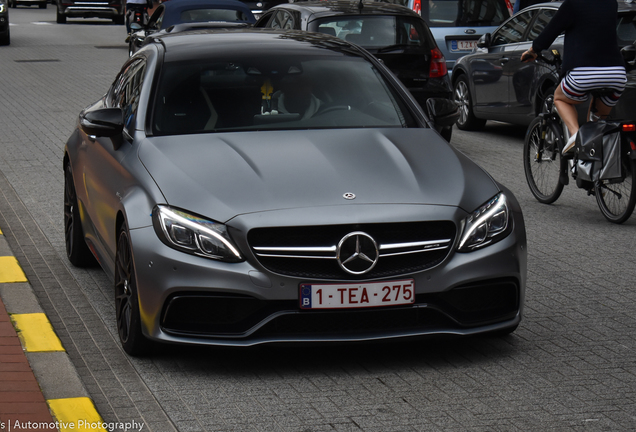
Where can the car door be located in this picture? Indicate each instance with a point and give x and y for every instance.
(525, 77)
(105, 182)
(490, 72)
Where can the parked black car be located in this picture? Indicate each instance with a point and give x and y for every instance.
(393, 33)
(5, 37)
(493, 84)
(169, 14)
(113, 9)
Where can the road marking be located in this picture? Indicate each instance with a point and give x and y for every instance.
(41, 23)
(10, 270)
(36, 333)
(76, 414)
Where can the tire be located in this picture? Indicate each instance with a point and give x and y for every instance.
(616, 200)
(543, 176)
(126, 299)
(119, 20)
(13, 4)
(42, 5)
(5, 39)
(77, 250)
(467, 120)
(61, 18)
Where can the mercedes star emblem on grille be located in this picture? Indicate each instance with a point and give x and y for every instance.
(357, 253)
(349, 196)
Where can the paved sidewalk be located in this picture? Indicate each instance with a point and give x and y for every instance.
(40, 389)
(21, 399)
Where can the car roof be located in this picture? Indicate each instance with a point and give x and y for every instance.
(342, 7)
(208, 42)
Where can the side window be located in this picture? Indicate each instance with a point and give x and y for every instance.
(127, 90)
(543, 18)
(513, 30)
(282, 20)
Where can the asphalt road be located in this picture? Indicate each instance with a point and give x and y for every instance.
(570, 365)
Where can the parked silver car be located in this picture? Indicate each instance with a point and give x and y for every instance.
(457, 25)
(248, 187)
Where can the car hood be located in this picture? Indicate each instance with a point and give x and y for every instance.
(223, 175)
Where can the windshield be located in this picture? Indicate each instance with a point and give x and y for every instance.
(377, 31)
(289, 92)
(464, 13)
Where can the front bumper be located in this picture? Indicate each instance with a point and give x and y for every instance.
(92, 10)
(189, 299)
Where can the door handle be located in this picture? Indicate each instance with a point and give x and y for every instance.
(504, 60)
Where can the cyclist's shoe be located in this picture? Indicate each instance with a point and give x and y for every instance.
(569, 146)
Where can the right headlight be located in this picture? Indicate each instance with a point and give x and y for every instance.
(2, 6)
(488, 224)
(192, 234)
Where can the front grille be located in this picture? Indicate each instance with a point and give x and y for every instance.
(311, 251)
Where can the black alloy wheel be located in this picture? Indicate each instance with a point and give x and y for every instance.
(77, 251)
(126, 299)
(542, 163)
(467, 120)
(616, 200)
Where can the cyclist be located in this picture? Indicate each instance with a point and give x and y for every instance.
(591, 60)
(139, 5)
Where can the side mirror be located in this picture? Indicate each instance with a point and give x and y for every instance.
(105, 122)
(484, 41)
(443, 112)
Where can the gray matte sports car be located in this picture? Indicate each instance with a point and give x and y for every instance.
(249, 187)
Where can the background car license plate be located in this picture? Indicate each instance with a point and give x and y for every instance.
(463, 45)
(357, 295)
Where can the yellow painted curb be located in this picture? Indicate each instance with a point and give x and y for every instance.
(75, 414)
(36, 333)
(10, 270)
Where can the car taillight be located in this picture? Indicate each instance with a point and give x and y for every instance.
(438, 64)
(629, 127)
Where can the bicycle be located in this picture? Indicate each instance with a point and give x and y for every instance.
(546, 169)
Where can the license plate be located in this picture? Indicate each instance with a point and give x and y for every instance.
(463, 45)
(357, 295)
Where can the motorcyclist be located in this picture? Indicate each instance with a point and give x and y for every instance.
(136, 5)
(591, 59)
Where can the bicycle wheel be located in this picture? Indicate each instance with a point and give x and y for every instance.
(542, 163)
(616, 199)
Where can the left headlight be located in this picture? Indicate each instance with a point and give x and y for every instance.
(192, 234)
(488, 224)
(2, 7)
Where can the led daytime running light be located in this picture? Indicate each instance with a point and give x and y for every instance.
(482, 216)
(195, 224)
